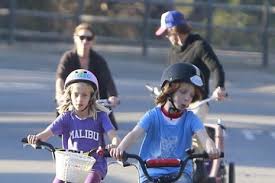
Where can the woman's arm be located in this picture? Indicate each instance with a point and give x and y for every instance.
(66, 64)
(59, 85)
(107, 77)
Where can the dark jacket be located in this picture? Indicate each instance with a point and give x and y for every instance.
(97, 65)
(197, 51)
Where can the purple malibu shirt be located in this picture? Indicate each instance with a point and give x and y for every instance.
(83, 134)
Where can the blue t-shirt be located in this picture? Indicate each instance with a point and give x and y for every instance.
(83, 134)
(164, 139)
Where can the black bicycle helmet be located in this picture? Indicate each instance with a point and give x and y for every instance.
(182, 72)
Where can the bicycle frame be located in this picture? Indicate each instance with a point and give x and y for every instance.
(219, 141)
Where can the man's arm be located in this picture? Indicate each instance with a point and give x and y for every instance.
(211, 60)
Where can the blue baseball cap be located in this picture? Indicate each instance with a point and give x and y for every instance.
(170, 19)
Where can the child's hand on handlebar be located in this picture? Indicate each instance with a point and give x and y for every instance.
(213, 153)
(32, 139)
(117, 153)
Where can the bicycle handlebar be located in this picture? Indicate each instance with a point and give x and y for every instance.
(39, 145)
(199, 103)
(155, 91)
(164, 162)
(44, 145)
(104, 102)
(161, 162)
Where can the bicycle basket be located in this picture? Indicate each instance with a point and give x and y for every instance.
(72, 167)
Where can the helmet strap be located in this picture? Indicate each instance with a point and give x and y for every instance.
(85, 108)
(173, 108)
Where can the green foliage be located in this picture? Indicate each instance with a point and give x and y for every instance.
(34, 5)
(222, 38)
(236, 19)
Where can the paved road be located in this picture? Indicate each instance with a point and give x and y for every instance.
(26, 95)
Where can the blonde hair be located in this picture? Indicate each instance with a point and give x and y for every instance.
(170, 88)
(93, 106)
(84, 26)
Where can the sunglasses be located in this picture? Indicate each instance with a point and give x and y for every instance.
(88, 38)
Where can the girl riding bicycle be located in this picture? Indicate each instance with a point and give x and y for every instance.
(82, 122)
(169, 127)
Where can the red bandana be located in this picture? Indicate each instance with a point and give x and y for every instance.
(173, 115)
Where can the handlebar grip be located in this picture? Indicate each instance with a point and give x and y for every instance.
(24, 140)
(125, 156)
(104, 102)
(204, 155)
(38, 143)
(105, 153)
